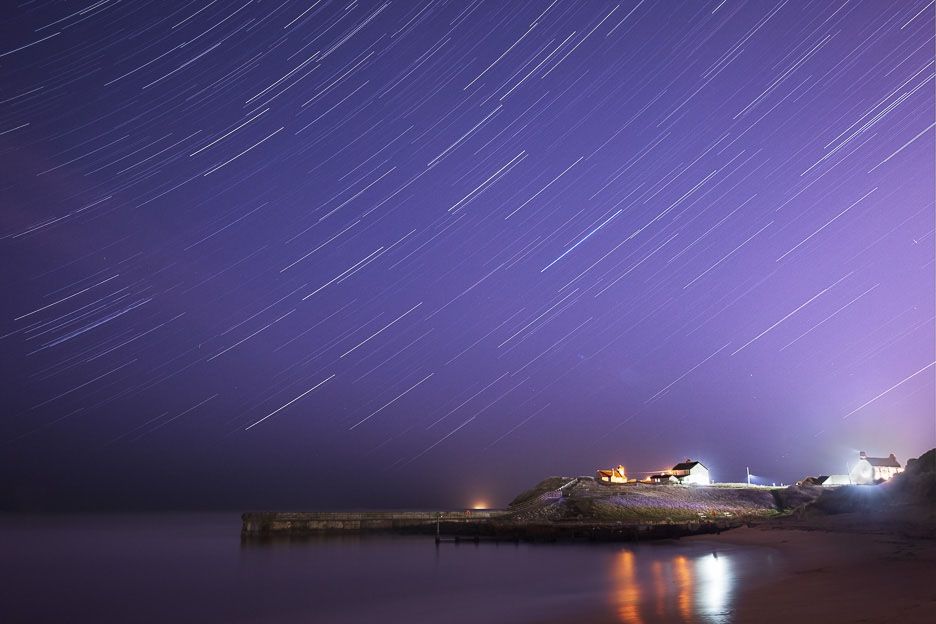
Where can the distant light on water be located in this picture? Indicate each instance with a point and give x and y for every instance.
(693, 587)
(715, 583)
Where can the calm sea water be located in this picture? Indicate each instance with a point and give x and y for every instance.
(194, 568)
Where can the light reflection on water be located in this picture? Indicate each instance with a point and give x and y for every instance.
(193, 568)
(696, 588)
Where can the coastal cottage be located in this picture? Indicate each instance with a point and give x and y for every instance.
(614, 475)
(687, 473)
(691, 473)
(871, 470)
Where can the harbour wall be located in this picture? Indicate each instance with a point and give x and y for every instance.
(336, 522)
(482, 524)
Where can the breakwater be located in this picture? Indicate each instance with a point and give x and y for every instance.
(482, 524)
(337, 522)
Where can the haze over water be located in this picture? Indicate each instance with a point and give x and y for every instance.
(193, 568)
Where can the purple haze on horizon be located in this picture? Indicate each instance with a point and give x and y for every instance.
(368, 254)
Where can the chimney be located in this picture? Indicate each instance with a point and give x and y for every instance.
(862, 455)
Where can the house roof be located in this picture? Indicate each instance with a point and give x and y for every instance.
(818, 480)
(883, 462)
(687, 465)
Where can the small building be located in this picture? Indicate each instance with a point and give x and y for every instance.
(826, 480)
(871, 470)
(687, 473)
(614, 475)
(815, 481)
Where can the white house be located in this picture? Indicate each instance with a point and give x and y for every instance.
(687, 473)
(871, 470)
(691, 473)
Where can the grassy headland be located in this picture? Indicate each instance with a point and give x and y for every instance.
(584, 499)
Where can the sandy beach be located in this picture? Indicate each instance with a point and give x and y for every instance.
(844, 568)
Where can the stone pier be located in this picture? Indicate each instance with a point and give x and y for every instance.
(486, 524)
(336, 522)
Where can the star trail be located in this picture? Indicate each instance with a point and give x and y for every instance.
(433, 251)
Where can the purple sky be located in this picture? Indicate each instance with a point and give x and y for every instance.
(355, 254)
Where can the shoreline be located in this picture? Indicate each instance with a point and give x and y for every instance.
(838, 569)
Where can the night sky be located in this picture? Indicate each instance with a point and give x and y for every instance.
(415, 254)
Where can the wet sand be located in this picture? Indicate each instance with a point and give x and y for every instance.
(844, 568)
